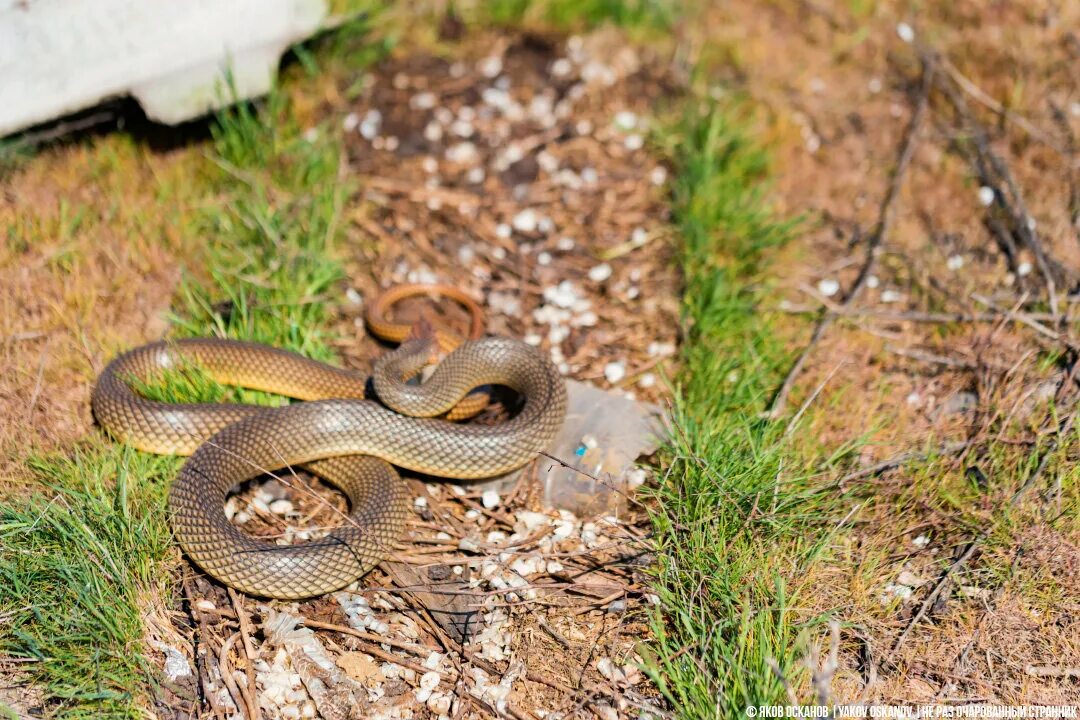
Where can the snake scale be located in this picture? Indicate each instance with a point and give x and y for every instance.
(337, 434)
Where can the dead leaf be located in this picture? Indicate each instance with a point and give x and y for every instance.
(359, 667)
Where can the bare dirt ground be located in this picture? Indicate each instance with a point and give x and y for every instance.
(983, 220)
(88, 265)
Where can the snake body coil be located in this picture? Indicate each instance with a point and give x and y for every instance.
(345, 439)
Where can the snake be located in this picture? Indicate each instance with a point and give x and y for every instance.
(339, 433)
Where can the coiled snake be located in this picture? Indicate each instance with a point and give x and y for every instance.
(337, 434)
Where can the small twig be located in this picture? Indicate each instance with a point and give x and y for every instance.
(930, 599)
(555, 635)
(953, 448)
(928, 357)
(422, 650)
(249, 653)
(226, 675)
(976, 92)
(1046, 671)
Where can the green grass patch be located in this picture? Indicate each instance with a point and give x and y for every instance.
(77, 556)
(738, 520)
(74, 560)
(643, 15)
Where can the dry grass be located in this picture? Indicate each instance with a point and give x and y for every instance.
(94, 230)
(835, 103)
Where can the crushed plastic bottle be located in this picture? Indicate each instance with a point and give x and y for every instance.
(603, 436)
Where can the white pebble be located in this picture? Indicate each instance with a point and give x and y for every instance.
(891, 296)
(525, 221)
(600, 273)
(561, 67)
(475, 175)
(1023, 269)
(828, 287)
(986, 196)
(634, 142)
(490, 499)
(565, 244)
(433, 132)
(440, 703)
(422, 101)
(532, 520)
(205, 605)
(490, 67)
(955, 262)
(647, 380)
(562, 295)
(463, 153)
(281, 507)
(905, 32)
(369, 126)
(615, 371)
(625, 120)
(543, 258)
(872, 281)
(528, 565)
(658, 176)
(462, 128)
(351, 122)
(874, 85)
(420, 502)
(468, 545)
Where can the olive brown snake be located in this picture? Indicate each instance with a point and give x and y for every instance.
(336, 434)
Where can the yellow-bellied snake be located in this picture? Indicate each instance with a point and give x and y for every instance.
(337, 434)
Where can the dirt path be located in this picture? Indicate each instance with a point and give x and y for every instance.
(897, 370)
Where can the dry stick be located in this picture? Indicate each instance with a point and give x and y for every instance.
(988, 163)
(885, 217)
(249, 653)
(1026, 319)
(202, 651)
(928, 357)
(1045, 671)
(415, 648)
(976, 92)
(953, 448)
(227, 678)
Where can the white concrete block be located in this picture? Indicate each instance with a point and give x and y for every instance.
(61, 56)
